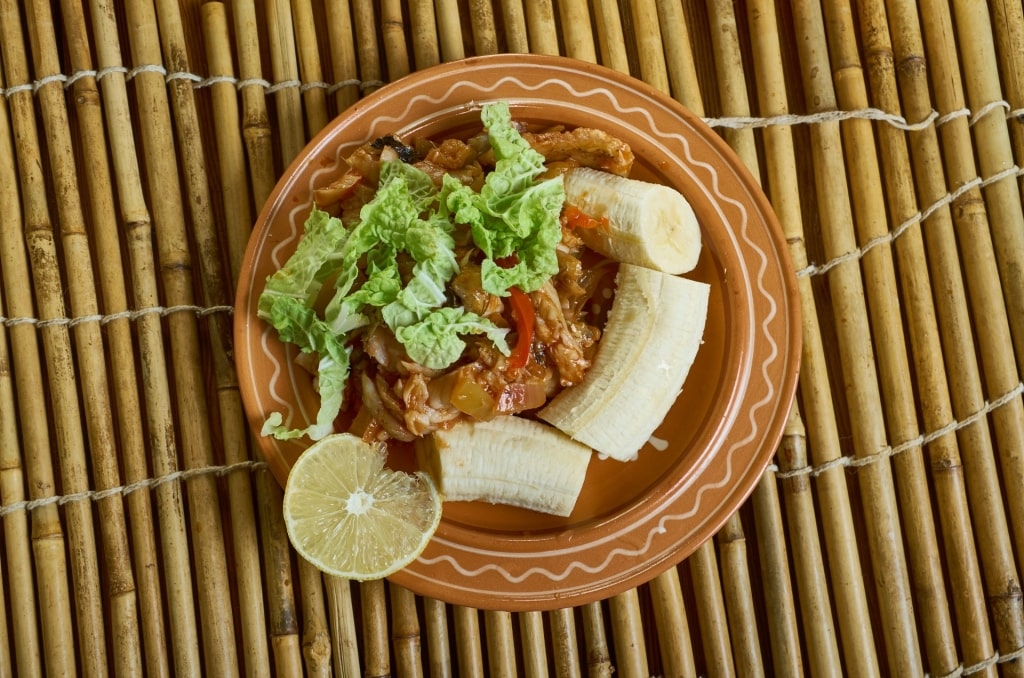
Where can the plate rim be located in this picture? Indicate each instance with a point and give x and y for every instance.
(415, 576)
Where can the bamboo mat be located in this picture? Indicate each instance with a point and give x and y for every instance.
(138, 141)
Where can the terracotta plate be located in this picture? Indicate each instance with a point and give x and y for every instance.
(633, 520)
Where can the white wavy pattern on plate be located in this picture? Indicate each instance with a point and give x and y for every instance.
(608, 96)
(282, 372)
(660, 527)
(763, 262)
(282, 384)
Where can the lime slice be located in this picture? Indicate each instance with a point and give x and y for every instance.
(352, 517)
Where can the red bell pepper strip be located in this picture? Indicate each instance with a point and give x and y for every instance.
(522, 311)
(574, 217)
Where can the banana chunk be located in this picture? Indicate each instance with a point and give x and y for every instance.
(649, 225)
(654, 329)
(507, 460)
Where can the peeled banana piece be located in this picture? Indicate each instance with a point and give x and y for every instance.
(653, 331)
(649, 225)
(506, 460)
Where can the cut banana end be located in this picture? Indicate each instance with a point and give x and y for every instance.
(507, 460)
(654, 329)
(649, 225)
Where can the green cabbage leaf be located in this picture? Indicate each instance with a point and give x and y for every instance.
(513, 221)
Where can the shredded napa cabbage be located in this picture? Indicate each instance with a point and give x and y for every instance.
(513, 220)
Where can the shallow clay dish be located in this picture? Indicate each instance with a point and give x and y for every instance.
(633, 520)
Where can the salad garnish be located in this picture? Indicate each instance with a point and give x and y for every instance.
(394, 264)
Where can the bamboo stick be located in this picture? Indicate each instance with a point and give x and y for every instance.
(564, 647)
(256, 133)
(1002, 198)
(316, 634)
(671, 624)
(1008, 22)
(678, 54)
(237, 223)
(425, 48)
(405, 632)
(534, 647)
(438, 644)
(947, 264)
(135, 215)
(871, 221)
(376, 657)
(234, 183)
(732, 81)
(283, 623)
(469, 658)
(255, 123)
(344, 640)
(501, 651)
(5, 636)
(711, 616)
(574, 23)
(739, 598)
(278, 576)
(449, 30)
(215, 610)
(343, 53)
(15, 524)
(835, 516)
(42, 249)
(16, 468)
(599, 662)
(883, 531)
(396, 54)
(628, 635)
(649, 44)
(540, 25)
(284, 68)
(47, 535)
(965, 579)
(314, 98)
(485, 35)
(815, 606)
(776, 578)
(366, 45)
(609, 35)
(125, 377)
(513, 17)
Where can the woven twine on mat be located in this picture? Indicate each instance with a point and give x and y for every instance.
(734, 122)
(625, 609)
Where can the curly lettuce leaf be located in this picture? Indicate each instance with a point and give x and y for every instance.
(312, 263)
(383, 230)
(433, 249)
(419, 187)
(514, 217)
(514, 221)
(298, 324)
(435, 341)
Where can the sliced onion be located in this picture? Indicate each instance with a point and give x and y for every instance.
(519, 397)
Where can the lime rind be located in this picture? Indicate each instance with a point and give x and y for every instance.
(398, 511)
